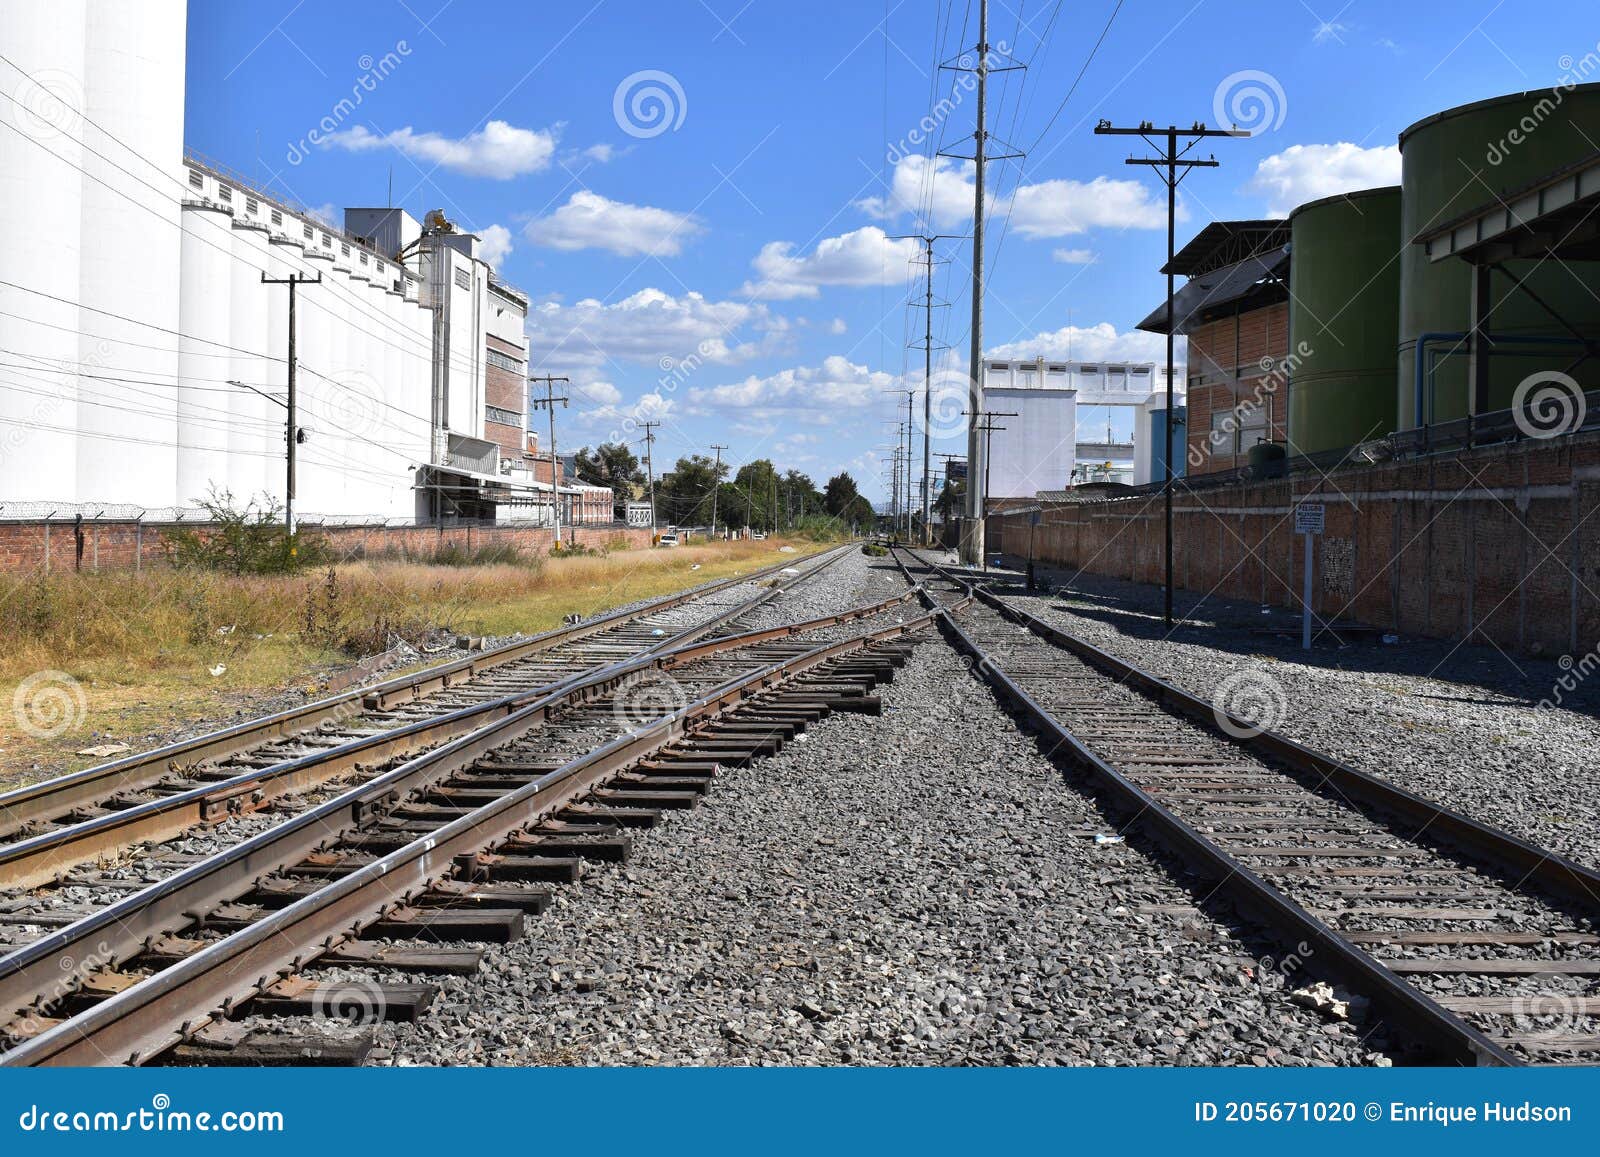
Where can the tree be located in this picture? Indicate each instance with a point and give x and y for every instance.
(612, 464)
(683, 495)
(755, 487)
(840, 493)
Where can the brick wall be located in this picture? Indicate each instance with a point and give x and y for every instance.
(506, 390)
(1226, 361)
(1495, 545)
(54, 546)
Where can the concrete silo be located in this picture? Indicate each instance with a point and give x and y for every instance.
(205, 318)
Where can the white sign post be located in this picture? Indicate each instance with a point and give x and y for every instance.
(1309, 519)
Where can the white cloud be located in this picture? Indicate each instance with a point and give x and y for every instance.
(1061, 207)
(1073, 256)
(498, 150)
(590, 221)
(1054, 208)
(1093, 343)
(1304, 173)
(651, 327)
(837, 326)
(803, 393)
(598, 393)
(599, 153)
(866, 256)
(328, 215)
(494, 244)
(623, 417)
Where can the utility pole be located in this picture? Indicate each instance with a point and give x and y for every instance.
(716, 485)
(548, 402)
(984, 424)
(650, 467)
(293, 281)
(927, 240)
(972, 525)
(1167, 167)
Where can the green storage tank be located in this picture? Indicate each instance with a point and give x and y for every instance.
(1344, 319)
(1451, 164)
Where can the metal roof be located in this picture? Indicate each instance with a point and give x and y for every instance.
(1555, 214)
(1224, 243)
(1247, 284)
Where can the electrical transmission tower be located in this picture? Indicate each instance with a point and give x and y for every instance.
(927, 347)
(972, 525)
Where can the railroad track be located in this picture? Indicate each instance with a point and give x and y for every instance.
(98, 813)
(1478, 946)
(460, 843)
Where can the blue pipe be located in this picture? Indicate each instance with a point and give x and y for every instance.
(1421, 371)
(1424, 339)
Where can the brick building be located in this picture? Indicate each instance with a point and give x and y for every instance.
(505, 411)
(1234, 310)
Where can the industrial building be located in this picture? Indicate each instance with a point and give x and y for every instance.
(1415, 359)
(1039, 449)
(145, 313)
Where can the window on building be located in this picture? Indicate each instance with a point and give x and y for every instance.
(463, 278)
(379, 264)
(307, 231)
(277, 217)
(327, 242)
(196, 179)
(504, 417)
(344, 250)
(504, 361)
(224, 192)
(362, 257)
(252, 206)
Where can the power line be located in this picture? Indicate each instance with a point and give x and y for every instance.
(548, 402)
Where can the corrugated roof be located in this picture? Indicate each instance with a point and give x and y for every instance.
(1224, 243)
(1247, 284)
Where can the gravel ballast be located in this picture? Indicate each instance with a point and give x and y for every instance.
(1461, 725)
(920, 888)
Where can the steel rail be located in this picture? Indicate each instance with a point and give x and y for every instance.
(1402, 1003)
(59, 794)
(41, 858)
(36, 970)
(161, 1010)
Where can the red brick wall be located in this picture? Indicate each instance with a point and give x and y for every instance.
(128, 546)
(1221, 351)
(509, 391)
(1482, 546)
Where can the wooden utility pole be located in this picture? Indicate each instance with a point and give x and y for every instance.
(548, 402)
(716, 485)
(1167, 166)
(984, 424)
(293, 281)
(650, 468)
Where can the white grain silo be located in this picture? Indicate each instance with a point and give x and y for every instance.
(320, 483)
(255, 435)
(133, 73)
(204, 320)
(40, 149)
(285, 258)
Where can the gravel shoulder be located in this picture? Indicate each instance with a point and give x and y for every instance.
(921, 888)
(1462, 725)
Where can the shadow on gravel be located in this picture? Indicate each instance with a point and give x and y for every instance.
(1246, 629)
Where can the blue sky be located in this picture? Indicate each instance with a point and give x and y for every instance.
(698, 195)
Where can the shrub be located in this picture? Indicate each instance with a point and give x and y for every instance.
(243, 540)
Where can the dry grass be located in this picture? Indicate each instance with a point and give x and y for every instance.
(142, 646)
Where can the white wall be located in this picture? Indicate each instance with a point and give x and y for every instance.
(1036, 450)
